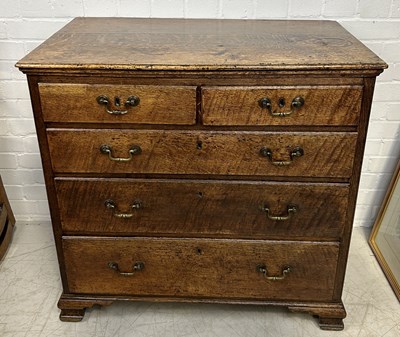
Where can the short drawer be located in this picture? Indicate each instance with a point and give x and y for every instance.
(322, 154)
(201, 268)
(233, 209)
(138, 104)
(300, 105)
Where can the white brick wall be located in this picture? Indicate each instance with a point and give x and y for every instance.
(26, 23)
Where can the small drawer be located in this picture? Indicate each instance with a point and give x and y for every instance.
(304, 154)
(300, 105)
(239, 269)
(137, 104)
(234, 209)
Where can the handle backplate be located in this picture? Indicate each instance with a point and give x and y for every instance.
(266, 103)
(295, 152)
(291, 209)
(137, 266)
(262, 268)
(110, 204)
(130, 102)
(107, 149)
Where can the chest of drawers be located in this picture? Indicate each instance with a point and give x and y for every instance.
(202, 160)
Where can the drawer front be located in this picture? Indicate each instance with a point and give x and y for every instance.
(205, 208)
(201, 268)
(308, 105)
(118, 103)
(322, 154)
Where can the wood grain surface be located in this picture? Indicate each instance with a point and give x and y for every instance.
(200, 177)
(323, 105)
(176, 44)
(202, 208)
(158, 104)
(201, 268)
(201, 152)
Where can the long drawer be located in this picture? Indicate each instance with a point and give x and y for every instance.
(304, 154)
(287, 105)
(137, 104)
(201, 208)
(201, 268)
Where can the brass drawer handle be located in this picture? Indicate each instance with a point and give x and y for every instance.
(110, 204)
(137, 266)
(296, 152)
(106, 149)
(130, 102)
(297, 103)
(262, 268)
(291, 209)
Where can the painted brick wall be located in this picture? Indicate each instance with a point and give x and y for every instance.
(26, 23)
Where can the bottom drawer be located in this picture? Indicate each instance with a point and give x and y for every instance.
(234, 269)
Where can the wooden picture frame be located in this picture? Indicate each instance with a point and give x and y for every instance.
(385, 236)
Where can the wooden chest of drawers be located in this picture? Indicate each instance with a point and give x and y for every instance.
(202, 160)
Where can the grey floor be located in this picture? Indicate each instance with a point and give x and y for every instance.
(30, 287)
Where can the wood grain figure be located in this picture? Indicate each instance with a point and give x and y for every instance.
(212, 161)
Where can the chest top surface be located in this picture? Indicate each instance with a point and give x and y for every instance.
(198, 44)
